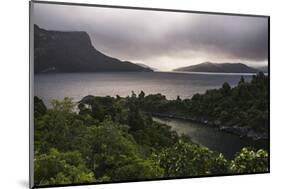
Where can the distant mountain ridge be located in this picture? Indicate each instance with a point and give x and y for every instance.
(219, 68)
(61, 51)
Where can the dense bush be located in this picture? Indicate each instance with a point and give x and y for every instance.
(249, 160)
(189, 159)
(61, 168)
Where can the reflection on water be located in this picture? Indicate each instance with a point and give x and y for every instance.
(226, 143)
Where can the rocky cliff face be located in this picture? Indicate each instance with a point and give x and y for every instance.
(57, 51)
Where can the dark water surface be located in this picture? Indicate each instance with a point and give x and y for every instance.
(78, 85)
(226, 143)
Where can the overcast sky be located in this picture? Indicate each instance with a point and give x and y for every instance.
(162, 40)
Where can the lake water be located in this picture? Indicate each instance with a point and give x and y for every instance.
(170, 84)
(226, 143)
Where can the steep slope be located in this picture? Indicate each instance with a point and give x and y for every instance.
(57, 51)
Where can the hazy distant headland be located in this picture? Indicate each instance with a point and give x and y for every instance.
(57, 51)
(221, 68)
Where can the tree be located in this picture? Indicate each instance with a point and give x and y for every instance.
(139, 169)
(188, 159)
(226, 89)
(242, 81)
(114, 154)
(39, 107)
(141, 95)
(55, 167)
(60, 128)
(250, 161)
(98, 111)
(66, 105)
(135, 119)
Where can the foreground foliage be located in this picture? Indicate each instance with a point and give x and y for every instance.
(61, 168)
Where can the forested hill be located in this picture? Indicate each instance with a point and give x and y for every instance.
(57, 51)
(219, 68)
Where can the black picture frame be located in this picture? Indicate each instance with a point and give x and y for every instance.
(31, 84)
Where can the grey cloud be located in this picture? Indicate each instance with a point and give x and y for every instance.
(144, 35)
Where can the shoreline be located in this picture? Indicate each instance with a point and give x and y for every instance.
(240, 131)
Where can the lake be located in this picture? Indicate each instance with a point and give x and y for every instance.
(170, 84)
(226, 143)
